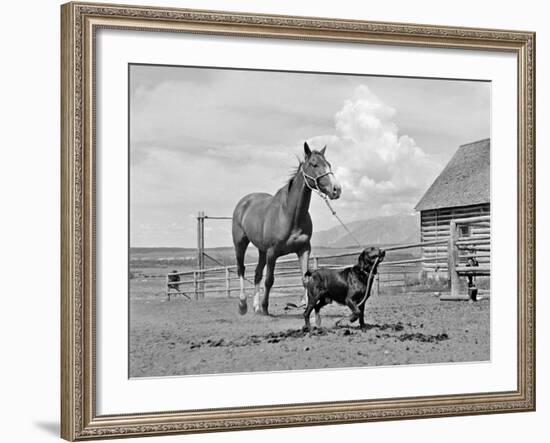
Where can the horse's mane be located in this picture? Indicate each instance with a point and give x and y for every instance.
(292, 174)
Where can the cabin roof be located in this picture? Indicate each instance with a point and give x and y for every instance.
(464, 181)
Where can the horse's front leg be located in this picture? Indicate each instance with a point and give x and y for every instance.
(258, 279)
(271, 258)
(303, 259)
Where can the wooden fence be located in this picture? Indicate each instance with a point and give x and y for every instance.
(223, 279)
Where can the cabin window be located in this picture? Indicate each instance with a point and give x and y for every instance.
(464, 231)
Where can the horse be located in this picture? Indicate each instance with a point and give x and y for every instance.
(280, 224)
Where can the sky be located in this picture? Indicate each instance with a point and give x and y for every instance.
(201, 138)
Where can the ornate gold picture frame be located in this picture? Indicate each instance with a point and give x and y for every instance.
(80, 22)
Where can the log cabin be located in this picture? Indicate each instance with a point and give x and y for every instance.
(461, 190)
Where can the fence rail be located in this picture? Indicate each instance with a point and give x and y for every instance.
(450, 259)
(199, 282)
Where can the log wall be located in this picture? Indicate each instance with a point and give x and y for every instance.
(434, 225)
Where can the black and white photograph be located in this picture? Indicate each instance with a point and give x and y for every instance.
(296, 220)
(284, 220)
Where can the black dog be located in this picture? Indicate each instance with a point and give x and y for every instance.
(349, 286)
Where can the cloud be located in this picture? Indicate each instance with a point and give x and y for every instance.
(232, 108)
(381, 171)
(200, 139)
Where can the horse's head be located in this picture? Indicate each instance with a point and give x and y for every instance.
(318, 174)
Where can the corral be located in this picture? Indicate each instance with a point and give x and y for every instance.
(463, 250)
(191, 324)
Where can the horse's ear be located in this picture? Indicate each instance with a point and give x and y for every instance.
(323, 150)
(307, 151)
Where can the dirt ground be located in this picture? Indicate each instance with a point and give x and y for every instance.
(208, 336)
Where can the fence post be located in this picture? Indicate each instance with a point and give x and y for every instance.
(315, 263)
(200, 243)
(452, 258)
(227, 283)
(195, 285)
(167, 288)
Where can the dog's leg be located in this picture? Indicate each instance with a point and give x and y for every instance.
(307, 313)
(322, 302)
(317, 318)
(362, 316)
(355, 312)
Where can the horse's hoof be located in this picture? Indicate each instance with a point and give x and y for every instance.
(242, 308)
(305, 328)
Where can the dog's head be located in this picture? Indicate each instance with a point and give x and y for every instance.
(368, 257)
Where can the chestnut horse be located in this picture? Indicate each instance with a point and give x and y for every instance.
(279, 225)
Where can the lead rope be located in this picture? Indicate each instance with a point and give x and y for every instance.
(369, 282)
(331, 209)
(325, 198)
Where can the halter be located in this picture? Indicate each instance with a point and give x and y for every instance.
(315, 179)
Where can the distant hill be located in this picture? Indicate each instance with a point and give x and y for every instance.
(380, 230)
